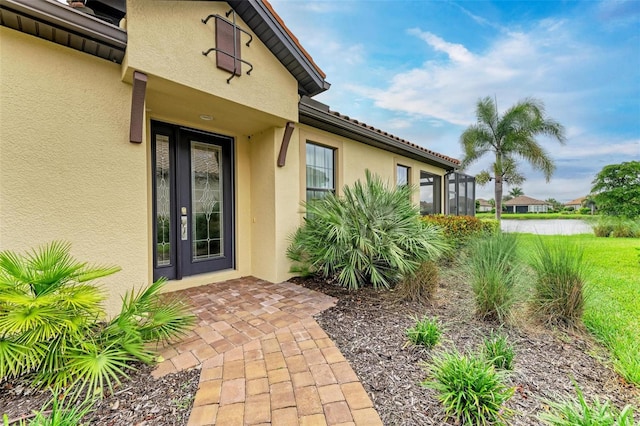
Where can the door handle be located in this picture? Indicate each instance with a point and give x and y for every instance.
(184, 232)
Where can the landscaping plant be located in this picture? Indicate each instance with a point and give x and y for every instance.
(470, 389)
(560, 281)
(371, 235)
(421, 285)
(578, 412)
(425, 332)
(460, 230)
(52, 322)
(58, 411)
(497, 350)
(494, 270)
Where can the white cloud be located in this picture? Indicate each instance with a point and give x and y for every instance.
(456, 52)
(516, 65)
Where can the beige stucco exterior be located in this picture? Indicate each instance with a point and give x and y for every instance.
(68, 171)
(354, 157)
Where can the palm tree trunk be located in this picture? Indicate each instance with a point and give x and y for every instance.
(498, 195)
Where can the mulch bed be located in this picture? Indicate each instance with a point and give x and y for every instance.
(369, 328)
(139, 400)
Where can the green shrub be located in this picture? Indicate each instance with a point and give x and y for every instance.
(493, 269)
(371, 235)
(617, 227)
(49, 321)
(425, 332)
(470, 390)
(497, 350)
(560, 281)
(459, 230)
(578, 412)
(419, 286)
(584, 210)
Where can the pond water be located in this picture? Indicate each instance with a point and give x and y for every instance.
(547, 227)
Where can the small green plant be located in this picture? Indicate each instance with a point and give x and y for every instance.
(425, 332)
(578, 412)
(60, 410)
(560, 281)
(494, 269)
(50, 321)
(470, 389)
(419, 286)
(617, 227)
(372, 235)
(497, 350)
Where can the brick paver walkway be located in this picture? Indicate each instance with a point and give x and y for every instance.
(265, 360)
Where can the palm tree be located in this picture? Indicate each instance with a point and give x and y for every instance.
(509, 137)
(516, 191)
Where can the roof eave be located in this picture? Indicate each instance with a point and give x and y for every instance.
(65, 18)
(324, 120)
(315, 83)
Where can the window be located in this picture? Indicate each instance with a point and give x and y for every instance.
(320, 171)
(402, 175)
(429, 193)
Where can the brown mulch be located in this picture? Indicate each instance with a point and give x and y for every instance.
(368, 326)
(139, 400)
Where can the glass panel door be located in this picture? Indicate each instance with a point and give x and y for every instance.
(206, 201)
(193, 201)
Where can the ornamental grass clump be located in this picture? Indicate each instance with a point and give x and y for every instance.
(560, 281)
(494, 270)
(497, 351)
(578, 412)
(425, 332)
(470, 389)
(53, 328)
(371, 235)
(419, 286)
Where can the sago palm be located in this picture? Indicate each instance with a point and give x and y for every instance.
(510, 137)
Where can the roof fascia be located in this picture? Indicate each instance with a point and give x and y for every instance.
(61, 16)
(273, 24)
(326, 121)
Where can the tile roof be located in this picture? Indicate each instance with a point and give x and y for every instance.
(579, 200)
(523, 200)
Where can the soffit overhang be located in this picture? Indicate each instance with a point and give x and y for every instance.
(63, 25)
(315, 115)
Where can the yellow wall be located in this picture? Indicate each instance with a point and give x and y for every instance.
(167, 38)
(354, 157)
(67, 168)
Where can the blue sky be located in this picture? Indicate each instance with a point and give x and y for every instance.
(417, 68)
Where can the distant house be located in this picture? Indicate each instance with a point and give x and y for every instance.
(484, 205)
(577, 203)
(524, 204)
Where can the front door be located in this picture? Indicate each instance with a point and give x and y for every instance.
(192, 201)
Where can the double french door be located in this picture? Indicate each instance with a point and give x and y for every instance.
(192, 201)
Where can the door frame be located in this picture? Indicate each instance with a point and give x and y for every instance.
(181, 262)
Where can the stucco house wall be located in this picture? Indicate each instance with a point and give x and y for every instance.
(68, 170)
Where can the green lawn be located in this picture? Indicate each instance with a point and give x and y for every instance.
(530, 216)
(612, 310)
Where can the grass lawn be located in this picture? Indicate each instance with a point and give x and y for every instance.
(612, 310)
(531, 216)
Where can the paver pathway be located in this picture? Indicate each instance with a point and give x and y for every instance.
(265, 360)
